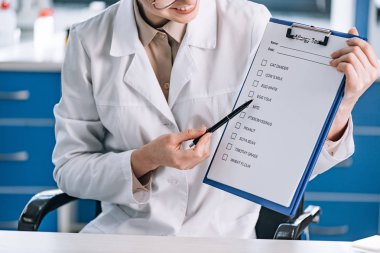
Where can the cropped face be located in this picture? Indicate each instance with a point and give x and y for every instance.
(181, 11)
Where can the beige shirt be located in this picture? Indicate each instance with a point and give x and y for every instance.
(161, 46)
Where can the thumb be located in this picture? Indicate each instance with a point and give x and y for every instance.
(190, 134)
(204, 143)
(353, 31)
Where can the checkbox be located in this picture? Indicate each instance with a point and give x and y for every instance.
(250, 94)
(238, 125)
(259, 73)
(233, 136)
(229, 146)
(255, 83)
(242, 115)
(264, 62)
(224, 157)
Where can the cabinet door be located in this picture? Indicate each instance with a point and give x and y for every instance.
(358, 174)
(367, 110)
(345, 221)
(26, 142)
(28, 95)
(361, 172)
(356, 180)
(25, 156)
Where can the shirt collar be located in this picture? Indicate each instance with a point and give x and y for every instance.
(146, 32)
(201, 32)
(175, 30)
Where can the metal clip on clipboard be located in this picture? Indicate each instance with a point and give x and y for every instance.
(327, 32)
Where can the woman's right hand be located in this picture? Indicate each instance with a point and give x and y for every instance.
(167, 150)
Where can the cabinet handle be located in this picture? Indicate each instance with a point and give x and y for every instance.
(16, 95)
(333, 230)
(21, 156)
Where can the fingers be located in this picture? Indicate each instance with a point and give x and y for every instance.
(201, 150)
(174, 156)
(360, 47)
(359, 63)
(351, 58)
(203, 145)
(353, 31)
(366, 48)
(189, 134)
(355, 50)
(187, 159)
(347, 69)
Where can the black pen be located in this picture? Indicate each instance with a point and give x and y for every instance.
(223, 121)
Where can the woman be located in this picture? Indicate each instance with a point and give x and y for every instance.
(139, 81)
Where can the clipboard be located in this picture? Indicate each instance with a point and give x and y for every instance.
(223, 166)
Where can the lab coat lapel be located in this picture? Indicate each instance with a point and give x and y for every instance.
(140, 76)
(182, 71)
(201, 33)
(125, 36)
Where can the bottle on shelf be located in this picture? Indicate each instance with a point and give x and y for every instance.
(9, 33)
(44, 29)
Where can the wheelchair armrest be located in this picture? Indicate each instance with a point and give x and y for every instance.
(294, 229)
(40, 205)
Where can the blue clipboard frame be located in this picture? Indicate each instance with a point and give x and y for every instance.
(291, 210)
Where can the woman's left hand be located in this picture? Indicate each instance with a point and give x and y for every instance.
(359, 63)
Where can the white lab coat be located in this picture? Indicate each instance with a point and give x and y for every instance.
(112, 104)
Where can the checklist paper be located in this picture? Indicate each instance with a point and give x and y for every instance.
(267, 153)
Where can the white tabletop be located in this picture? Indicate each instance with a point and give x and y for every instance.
(39, 242)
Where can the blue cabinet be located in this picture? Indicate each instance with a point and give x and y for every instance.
(367, 110)
(346, 220)
(349, 194)
(28, 95)
(27, 141)
(359, 174)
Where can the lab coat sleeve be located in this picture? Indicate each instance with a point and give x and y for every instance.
(82, 168)
(335, 152)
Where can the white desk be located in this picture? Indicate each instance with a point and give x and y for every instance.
(38, 242)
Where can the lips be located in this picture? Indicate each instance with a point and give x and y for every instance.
(184, 9)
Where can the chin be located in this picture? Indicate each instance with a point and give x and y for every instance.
(184, 19)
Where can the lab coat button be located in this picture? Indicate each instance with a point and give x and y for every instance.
(162, 35)
(166, 86)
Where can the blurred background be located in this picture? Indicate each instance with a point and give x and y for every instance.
(32, 42)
